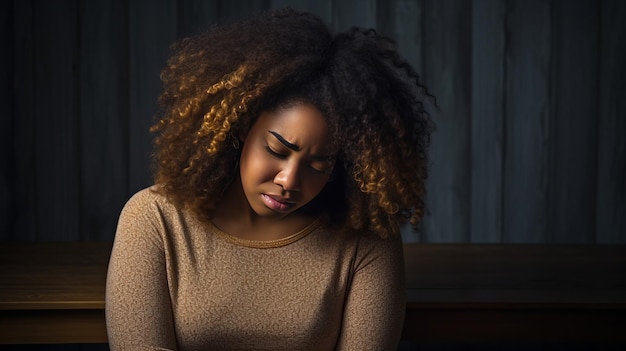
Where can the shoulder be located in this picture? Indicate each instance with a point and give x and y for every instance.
(150, 194)
(147, 208)
(146, 199)
(148, 216)
(372, 248)
(363, 248)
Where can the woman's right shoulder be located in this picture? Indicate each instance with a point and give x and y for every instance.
(145, 214)
(147, 200)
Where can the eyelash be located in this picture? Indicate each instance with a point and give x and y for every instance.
(274, 153)
(281, 156)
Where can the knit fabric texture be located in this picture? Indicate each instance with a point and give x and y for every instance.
(175, 283)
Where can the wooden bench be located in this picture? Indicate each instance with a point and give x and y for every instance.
(54, 293)
(516, 293)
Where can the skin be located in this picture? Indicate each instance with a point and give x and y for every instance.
(285, 163)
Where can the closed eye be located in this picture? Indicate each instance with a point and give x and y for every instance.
(322, 167)
(274, 153)
(321, 171)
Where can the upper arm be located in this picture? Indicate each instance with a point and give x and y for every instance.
(138, 305)
(375, 305)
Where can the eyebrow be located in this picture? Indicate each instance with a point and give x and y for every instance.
(295, 147)
(282, 140)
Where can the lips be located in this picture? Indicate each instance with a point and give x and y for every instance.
(277, 203)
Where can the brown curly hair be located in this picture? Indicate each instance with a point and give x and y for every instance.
(217, 83)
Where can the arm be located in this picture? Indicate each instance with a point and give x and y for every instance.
(138, 305)
(375, 306)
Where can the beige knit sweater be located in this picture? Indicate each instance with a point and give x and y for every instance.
(175, 283)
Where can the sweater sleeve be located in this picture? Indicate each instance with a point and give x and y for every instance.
(138, 305)
(375, 306)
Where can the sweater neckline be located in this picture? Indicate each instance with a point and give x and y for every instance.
(268, 244)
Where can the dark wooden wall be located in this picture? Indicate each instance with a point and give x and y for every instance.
(530, 144)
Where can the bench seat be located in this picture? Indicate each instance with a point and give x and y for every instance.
(54, 292)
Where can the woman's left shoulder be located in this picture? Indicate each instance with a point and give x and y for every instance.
(369, 246)
(374, 242)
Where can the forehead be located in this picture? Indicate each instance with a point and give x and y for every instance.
(300, 124)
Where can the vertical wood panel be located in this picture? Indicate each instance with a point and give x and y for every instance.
(402, 20)
(488, 45)
(611, 190)
(530, 128)
(104, 114)
(574, 130)
(24, 119)
(152, 27)
(527, 113)
(195, 16)
(349, 13)
(409, 23)
(7, 178)
(447, 40)
(56, 115)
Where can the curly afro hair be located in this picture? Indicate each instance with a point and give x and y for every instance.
(216, 84)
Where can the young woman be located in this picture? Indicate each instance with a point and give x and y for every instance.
(285, 159)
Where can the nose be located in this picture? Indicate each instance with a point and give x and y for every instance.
(289, 177)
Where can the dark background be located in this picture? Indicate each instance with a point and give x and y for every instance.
(530, 145)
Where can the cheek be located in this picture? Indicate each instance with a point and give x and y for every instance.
(254, 165)
(315, 186)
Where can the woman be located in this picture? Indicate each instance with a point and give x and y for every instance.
(285, 158)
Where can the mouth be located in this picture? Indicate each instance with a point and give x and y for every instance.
(277, 203)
